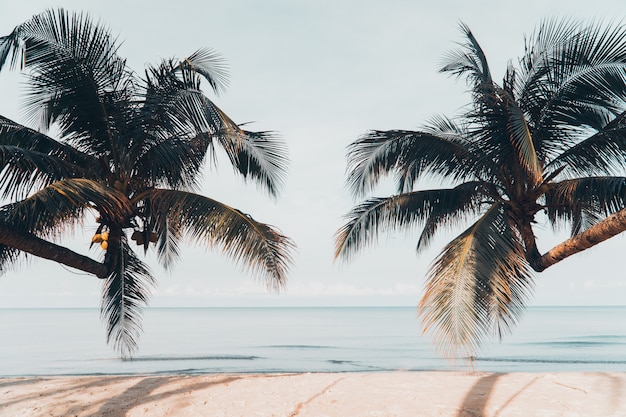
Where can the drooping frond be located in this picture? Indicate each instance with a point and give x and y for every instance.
(172, 163)
(75, 72)
(210, 65)
(256, 245)
(477, 285)
(124, 293)
(470, 61)
(402, 212)
(536, 64)
(522, 141)
(168, 245)
(48, 209)
(455, 205)
(578, 85)
(600, 154)
(583, 202)
(177, 108)
(259, 156)
(407, 153)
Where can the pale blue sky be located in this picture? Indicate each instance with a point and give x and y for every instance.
(320, 73)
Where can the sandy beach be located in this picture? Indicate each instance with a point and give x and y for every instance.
(384, 394)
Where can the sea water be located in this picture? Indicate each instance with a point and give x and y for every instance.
(301, 339)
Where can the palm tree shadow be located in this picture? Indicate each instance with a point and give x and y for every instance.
(475, 402)
(95, 383)
(9, 382)
(616, 389)
(143, 393)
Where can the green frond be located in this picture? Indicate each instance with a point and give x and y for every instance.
(210, 65)
(582, 202)
(579, 81)
(522, 141)
(599, 154)
(259, 156)
(168, 245)
(398, 212)
(258, 246)
(407, 153)
(455, 206)
(469, 61)
(124, 293)
(62, 204)
(178, 109)
(477, 286)
(171, 162)
(24, 171)
(73, 71)
(31, 160)
(9, 258)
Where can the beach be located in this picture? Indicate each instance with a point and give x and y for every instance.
(384, 394)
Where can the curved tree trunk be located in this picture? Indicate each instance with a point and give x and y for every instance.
(606, 229)
(44, 249)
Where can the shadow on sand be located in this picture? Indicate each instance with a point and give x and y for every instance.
(477, 399)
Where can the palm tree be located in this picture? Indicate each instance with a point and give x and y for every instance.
(549, 141)
(129, 156)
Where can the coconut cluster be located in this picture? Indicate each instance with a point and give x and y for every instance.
(102, 239)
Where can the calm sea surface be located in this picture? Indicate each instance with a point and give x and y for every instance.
(324, 339)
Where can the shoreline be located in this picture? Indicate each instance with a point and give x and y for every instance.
(359, 394)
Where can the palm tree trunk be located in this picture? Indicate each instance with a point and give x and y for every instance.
(533, 256)
(606, 229)
(42, 248)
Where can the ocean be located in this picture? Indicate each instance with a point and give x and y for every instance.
(301, 339)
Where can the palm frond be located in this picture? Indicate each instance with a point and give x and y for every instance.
(259, 156)
(401, 212)
(408, 153)
(599, 154)
(455, 205)
(469, 61)
(580, 84)
(124, 293)
(62, 203)
(256, 245)
(30, 160)
(583, 202)
(171, 162)
(522, 142)
(24, 171)
(477, 285)
(74, 71)
(177, 108)
(210, 65)
(168, 246)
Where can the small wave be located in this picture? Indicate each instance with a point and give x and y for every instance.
(299, 347)
(578, 344)
(552, 361)
(191, 358)
(340, 362)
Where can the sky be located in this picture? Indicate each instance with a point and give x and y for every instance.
(319, 73)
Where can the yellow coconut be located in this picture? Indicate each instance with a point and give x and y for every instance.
(104, 235)
(97, 238)
(104, 245)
